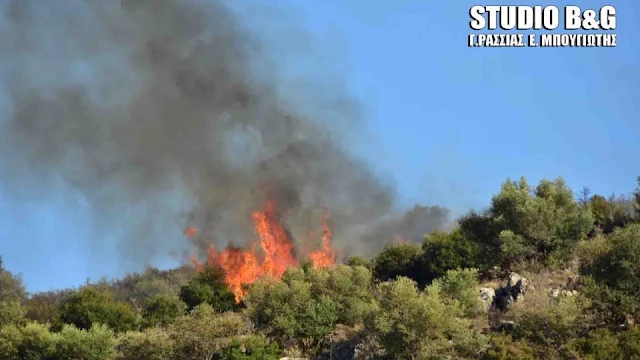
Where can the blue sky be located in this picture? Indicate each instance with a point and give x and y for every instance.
(450, 123)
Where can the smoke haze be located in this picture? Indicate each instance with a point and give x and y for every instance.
(163, 114)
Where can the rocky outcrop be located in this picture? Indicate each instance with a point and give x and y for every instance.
(487, 295)
(513, 291)
(567, 289)
(502, 297)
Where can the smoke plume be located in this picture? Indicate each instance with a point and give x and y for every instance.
(164, 114)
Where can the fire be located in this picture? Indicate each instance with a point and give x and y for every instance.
(275, 242)
(277, 253)
(190, 232)
(326, 256)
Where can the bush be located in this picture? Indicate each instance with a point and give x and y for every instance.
(11, 313)
(399, 260)
(291, 311)
(461, 287)
(253, 347)
(153, 344)
(612, 275)
(11, 286)
(552, 331)
(410, 324)
(162, 310)
(358, 261)
(208, 287)
(89, 306)
(45, 307)
(97, 343)
(205, 331)
(31, 342)
(601, 344)
(349, 287)
(504, 347)
(448, 251)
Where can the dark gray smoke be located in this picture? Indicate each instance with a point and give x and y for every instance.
(148, 109)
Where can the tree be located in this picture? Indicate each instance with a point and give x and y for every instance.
(153, 344)
(97, 343)
(552, 331)
(12, 295)
(205, 332)
(349, 287)
(11, 313)
(448, 251)
(418, 325)
(31, 342)
(208, 287)
(45, 307)
(251, 348)
(613, 271)
(460, 286)
(293, 310)
(399, 260)
(162, 310)
(11, 286)
(524, 224)
(90, 306)
(358, 261)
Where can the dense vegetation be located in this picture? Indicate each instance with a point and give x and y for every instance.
(580, 254)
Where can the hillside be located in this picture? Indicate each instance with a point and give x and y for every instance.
(538, 275)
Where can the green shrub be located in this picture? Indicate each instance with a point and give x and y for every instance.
(208, 287)
(399, 260)
(97, 343)
(414, 325)
(291, 311)
(31, 342)
(461, 286)
(253, 347)
(152, 344)
(162, 310)
(205, 331)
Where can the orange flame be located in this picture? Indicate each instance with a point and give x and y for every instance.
(190, 232)
(326, 256)
(244, 266)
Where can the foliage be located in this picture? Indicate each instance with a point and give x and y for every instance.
(291, 311)
(613, 269)
(32, 342)
(153, 344)
(413, 325)
(11, 286)
(398, 260)
(543, 223)
(162, 310)
(448, 251)
(44, 307)
(460, 286)
(11, 313)
(208, 287)
(137, 288)
(97, 343)
(551, 331)
(358, 261)
(349, 287)
(89, 306)
(205, 331)
(251, 348)
(505, 347)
